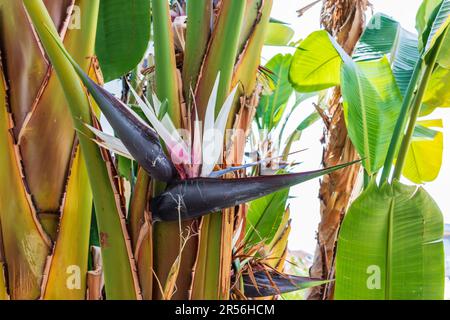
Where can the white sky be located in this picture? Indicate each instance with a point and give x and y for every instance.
(305, 208)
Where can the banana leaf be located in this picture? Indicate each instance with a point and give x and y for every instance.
(316, 64)
(385, 36)
(390, 246)
(439, 25)
(424, 158)
(438, 92)
(424, 19)
(372, 103)
(271, 106)
(122, 36)
(264, 216)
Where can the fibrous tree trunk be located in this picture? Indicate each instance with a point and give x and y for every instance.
(40, 157)
(345, 20)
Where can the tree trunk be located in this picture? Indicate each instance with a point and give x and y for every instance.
(345, 20)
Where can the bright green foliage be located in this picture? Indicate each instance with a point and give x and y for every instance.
(424, 157)
(316, 63)
(264, 217)
(272, 106)
(438, 93)
(385, 36)
(439, 25)
(278, 34)
(122, 36)
(371, 105)
(444, 55)
(390, 246)
(424, 19)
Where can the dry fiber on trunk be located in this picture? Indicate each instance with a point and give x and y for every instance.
(345, 20)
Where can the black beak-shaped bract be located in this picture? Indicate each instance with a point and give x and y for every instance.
(139, 139)
(192, 198)
(265, 284)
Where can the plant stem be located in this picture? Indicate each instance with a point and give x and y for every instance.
(221, 56)
(198, 31)
(166, 68)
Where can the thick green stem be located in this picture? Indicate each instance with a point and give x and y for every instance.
(198, 31)
(165, 64)
(221, 56)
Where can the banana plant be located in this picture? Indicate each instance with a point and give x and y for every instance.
(386, 85)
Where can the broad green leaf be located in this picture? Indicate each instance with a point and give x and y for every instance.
(278, 34)
(271, 104)
(125, 167)
(443, 58)
(122, 36)
(372, 103)
(390, 246)
(424, 157)
(316, 64)
(439, 25)
(424, 19)
(384, 36)
(438, 90)
(264, 217)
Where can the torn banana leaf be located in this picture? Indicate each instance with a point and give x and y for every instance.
(265, 284)
(192, 198)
